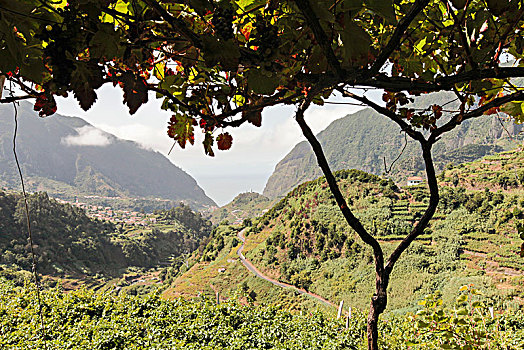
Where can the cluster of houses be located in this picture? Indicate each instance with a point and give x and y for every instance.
(116, 216)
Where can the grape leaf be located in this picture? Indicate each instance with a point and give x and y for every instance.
(497, 7)
(356, 42)
(180, 128)
(208, 144)
(384, 8)
(458, 4)
(135, 91)
(84, 80)
(261, 83)
(253, 117)
(105, 42)
(224, 141)
(225, 52)
(515, 109)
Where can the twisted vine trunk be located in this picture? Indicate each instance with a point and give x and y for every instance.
(378, 305)
(383, 271)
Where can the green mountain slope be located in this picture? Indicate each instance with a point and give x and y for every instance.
(362, 140)
(68, 243)
(68, 157)
(304, 240)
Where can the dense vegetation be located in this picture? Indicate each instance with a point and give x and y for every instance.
(88, 320)
(69, 242)
(303, 240)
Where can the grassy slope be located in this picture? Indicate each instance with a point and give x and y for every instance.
(472, 240)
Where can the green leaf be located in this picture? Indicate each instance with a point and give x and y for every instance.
(181, 129)
(352, 5)
(356, 43)
(229, 55)
(200, 6)
(459, 4)
(225, 52)
(462, 311)
(260, 83)
(322, 11)
(105, 42)
(514, 109)
(462, 298)
(421, 324)
(208, 144)
(135, 91)
(383, 8)
(420, 45)
(476, 292)
(497, 7)
(34, 70)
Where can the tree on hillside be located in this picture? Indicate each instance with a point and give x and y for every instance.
(219, 64)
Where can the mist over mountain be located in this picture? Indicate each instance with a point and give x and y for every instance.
(68, 157)
(365, 140)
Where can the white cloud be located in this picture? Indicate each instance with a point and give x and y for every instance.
(147, 137)
(87, 136)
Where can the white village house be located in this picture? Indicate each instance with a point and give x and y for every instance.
(414, 180)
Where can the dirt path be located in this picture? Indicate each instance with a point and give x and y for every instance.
(259, 274)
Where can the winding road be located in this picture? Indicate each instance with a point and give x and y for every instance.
(259, 274)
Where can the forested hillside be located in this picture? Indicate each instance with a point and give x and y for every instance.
(304, 240)
(69, 158)
(363, 139)
(67, 242)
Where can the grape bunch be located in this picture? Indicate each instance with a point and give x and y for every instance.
(61, 46)
(56, 54)
(266, 38)
(223, 22)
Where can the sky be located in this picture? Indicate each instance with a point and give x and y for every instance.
(245, 167)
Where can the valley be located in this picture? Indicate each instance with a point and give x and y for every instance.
(290, 249)
(286, 268)
(389, 136)
(300, 245)
(296, 255)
